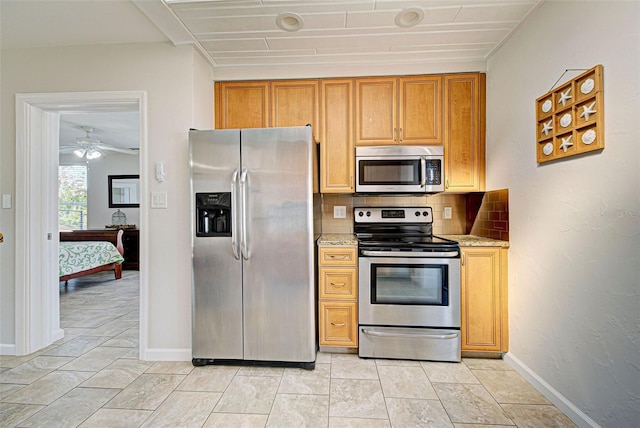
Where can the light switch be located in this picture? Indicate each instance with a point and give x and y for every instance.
(158, 199)
(6, 200)
(447, 212)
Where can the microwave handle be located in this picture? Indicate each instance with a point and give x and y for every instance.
(423, 166)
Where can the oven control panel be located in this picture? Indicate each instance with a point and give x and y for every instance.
(393, 215)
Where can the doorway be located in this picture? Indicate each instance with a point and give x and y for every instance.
(37, 320)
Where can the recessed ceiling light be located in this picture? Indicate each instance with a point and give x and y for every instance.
(409, 17)
(289, 21)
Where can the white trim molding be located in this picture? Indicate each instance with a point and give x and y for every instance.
(553, 395)
(37, 309)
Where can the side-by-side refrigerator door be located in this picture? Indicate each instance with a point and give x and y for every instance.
(278, 270)
(216, 262)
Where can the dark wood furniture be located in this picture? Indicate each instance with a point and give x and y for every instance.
(131, 243)
(113, 236)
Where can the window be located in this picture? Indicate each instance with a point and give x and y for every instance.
(72, 197)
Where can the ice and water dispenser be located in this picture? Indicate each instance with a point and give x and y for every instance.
(213, 214)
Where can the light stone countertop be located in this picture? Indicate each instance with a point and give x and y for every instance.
(349, 240)
(476, 241)
(338, 240)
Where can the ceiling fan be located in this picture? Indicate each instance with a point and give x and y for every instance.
(89, 148)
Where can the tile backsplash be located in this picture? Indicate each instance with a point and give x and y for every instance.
(492, 215)
(481, 214)
(454, 226)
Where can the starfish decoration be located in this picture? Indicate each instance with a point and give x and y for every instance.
(588, 110)
(564, 97)
(546, 128)
(566, 143)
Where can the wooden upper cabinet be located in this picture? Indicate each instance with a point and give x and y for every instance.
(376, 111)
(295, 103)
(399, 110)
(464, 145)
(244, 105)
(337, 154)
(420, 112)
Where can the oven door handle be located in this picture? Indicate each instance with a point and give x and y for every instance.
(427, 335)
(410, 254)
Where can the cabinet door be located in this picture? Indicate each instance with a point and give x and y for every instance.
(244, 105)
(376, 111)
(338, 322)
(295, 103)
(464, 151)
(483, 297)
(420, 110)
(337, 155)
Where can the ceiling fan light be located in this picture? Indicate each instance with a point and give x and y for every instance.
(409, 17)
(93, 154)
(79, 152)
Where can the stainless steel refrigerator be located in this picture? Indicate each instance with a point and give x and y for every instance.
(253, 282)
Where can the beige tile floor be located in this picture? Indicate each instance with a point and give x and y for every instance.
(92, 378)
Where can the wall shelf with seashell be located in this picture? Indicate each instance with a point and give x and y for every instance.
(570, 118)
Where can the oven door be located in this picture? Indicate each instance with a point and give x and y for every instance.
(409, 291)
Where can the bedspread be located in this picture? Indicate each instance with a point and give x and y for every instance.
(78, 256)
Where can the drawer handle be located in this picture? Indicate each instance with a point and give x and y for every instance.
(342, 257)
(338, 284)
(410, 335)
(341, 324)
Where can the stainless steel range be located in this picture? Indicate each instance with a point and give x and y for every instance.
(409, 286)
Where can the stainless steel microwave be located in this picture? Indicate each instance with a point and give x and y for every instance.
(400, 169)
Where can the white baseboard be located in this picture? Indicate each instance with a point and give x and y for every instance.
(560, 401)
(162, 354)
(7, 349)
(57, 335)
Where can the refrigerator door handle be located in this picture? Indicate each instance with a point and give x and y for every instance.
(234, 211)
(244, 246)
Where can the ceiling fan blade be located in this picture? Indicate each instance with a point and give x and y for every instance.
(118, 150)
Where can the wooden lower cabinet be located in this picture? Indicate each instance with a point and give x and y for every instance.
(338, 297)
(484, 301)
(339, 323)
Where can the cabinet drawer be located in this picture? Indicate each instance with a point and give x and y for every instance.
(339, 324)
(338, 283)
(343, 256)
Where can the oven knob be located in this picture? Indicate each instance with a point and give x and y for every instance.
(368, 213)
(424, 213)
(417, 213)
(360, 213)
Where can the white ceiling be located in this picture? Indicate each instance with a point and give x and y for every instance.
(120, 129)
(243, 33)
(240, 37)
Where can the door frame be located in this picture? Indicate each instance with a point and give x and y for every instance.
(37, 302)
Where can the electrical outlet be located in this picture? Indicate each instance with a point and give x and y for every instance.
(447, 213)
(339, 211)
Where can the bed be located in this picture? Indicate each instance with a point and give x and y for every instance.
(85, 252)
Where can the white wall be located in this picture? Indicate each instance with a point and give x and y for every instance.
(98, 211)
(574, 282)
(169, 75)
